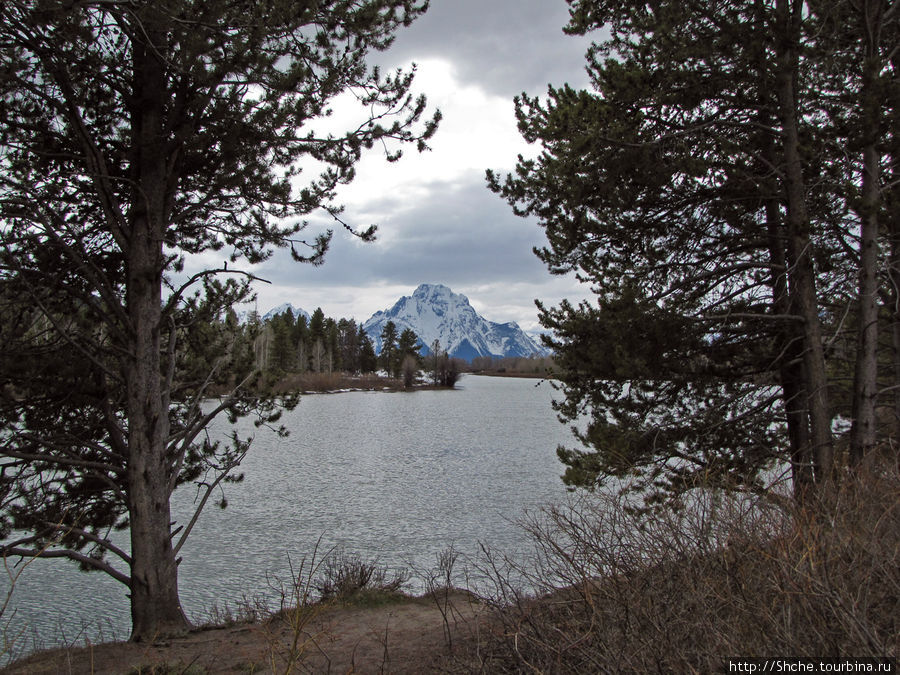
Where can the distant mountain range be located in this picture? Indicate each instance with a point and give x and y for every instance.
(281, 309)
(435, 312)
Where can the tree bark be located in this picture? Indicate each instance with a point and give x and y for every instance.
(891, 199)
(893, 226)
(863, 432)
(790, 337)
(863, 429)
(155, 607)
(790, 367)
(802, 281)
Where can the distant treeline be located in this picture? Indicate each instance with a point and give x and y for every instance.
(524, 366)
(285, 344)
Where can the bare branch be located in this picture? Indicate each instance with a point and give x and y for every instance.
(99, 565)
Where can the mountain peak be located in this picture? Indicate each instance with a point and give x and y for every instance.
(430, 290)
(434, 312)
(285, 307)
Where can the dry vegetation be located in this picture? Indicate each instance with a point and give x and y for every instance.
(339, 381)
(610, 590)
(681, 592)
(514, 366)
(335, 381)
(339, 614)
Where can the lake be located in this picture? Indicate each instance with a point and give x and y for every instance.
(398, 477)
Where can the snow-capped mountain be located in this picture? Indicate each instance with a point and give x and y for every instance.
(296, 311)
(435, 312)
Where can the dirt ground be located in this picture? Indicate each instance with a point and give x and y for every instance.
(416, 635)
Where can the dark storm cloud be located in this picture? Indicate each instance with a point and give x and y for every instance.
(504, 46)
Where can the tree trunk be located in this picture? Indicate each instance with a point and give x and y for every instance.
(863, 429)
(865, 382)
(801, 275)
(790, 367)
(155, 607)
(892, 202)
(789, 337)
(893, 226)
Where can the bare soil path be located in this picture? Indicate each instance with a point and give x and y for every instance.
(416, 635)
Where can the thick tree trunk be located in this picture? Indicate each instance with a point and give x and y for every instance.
(802, 282)
(155, 607)
(895, 336)
(891, 198)
(789, 338)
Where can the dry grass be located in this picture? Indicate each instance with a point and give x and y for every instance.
(325, 382)
(350, 579)
(681, 592)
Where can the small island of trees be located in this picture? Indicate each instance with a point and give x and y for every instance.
(293, 353)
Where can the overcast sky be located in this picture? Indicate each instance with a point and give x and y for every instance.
(437, 221)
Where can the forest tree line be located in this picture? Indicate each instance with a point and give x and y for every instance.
(285, 344)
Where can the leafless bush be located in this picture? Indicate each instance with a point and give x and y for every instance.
(345, 576)
(248, 610)
(10, 636)
(409, 369)
(310, 382)
(440, 588)
(615, 591)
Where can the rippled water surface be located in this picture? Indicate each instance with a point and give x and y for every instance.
(395, 476)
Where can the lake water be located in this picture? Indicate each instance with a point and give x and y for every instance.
(398, 477)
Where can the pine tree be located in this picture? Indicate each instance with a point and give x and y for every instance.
(389, 357)
(135, 134)
(408, 344)
(368, 361)
(301, 343)
(281, 350)
(331, 345)
(349, 345)
(685, 190)
(437, 359)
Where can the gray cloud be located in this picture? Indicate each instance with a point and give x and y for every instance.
(460, 234)
(504, 46)
(455, 232)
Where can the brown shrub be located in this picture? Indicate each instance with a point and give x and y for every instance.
(326, 382)
(615, 591)
(347, 577)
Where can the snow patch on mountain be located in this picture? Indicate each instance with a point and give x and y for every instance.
(282, 308)
(435, 312)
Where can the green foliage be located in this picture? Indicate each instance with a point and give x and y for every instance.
(408, 344)
(389, 357)
(284, 346)
(136, 136)
(368, 361)
(667, 190)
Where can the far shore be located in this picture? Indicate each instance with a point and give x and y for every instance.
(504, 373)
(339, 382)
